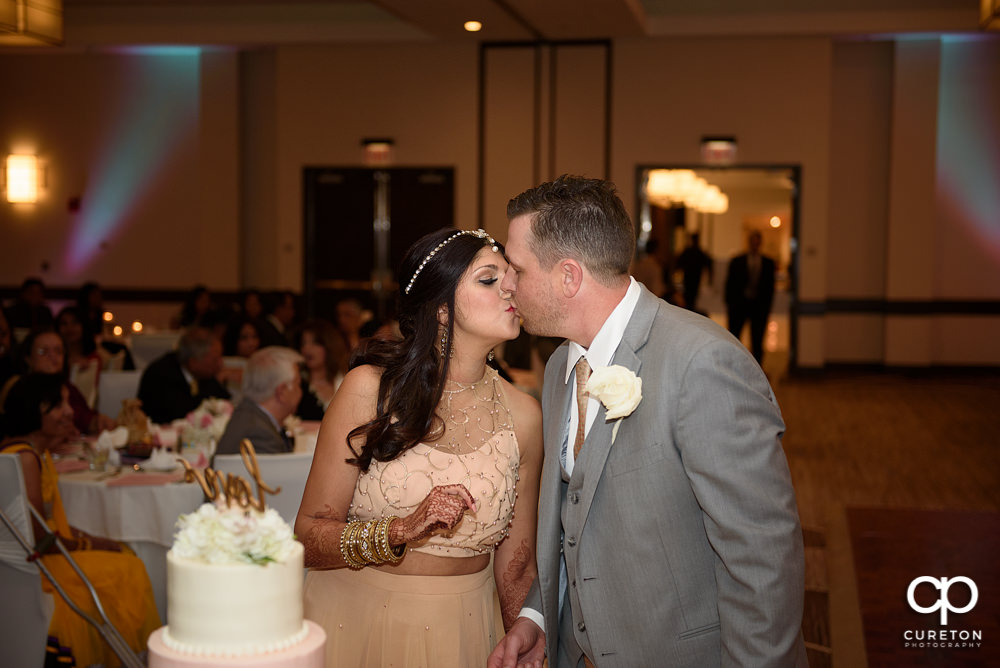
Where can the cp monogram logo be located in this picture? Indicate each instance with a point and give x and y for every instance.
(942, 604)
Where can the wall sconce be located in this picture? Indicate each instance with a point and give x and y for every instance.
(31, 23)
(22, 175)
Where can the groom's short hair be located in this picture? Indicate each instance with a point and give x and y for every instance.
(579, 218)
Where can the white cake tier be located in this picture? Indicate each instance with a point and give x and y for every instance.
(234, 609)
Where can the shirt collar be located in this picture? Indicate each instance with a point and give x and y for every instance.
(604, 345)
(270, 417)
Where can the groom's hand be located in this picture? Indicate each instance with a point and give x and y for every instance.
(522, 647)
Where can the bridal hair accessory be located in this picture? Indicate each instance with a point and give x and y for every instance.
(619, 389)
(476, 233)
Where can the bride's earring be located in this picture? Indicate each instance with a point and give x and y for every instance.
(490, 356)
(444, 343)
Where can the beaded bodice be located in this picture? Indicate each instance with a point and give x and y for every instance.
(477, 448)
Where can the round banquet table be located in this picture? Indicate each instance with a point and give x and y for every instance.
(137, 508)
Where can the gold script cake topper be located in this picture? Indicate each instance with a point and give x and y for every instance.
(232, 488)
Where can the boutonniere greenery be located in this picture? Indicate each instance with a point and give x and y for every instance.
(619, 389)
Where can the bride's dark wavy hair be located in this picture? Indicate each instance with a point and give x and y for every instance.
(413, 369)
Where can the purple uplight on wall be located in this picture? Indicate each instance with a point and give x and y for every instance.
(968, 141)
(156, 110)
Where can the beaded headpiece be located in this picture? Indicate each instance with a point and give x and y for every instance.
(476, 233)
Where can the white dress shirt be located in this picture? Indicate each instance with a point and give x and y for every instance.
(601, 350)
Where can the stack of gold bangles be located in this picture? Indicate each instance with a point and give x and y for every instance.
(364, 543)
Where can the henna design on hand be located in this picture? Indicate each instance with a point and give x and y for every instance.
(322, 540)
(442, 508)
(516, 583)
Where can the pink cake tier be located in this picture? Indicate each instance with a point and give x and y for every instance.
(307, 654)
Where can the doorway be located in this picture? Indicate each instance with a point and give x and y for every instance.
(762, 199)
(358, 224)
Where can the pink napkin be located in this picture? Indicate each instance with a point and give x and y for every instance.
(71, 465)
(145, 479)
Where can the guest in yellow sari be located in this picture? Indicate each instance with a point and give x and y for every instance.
(37, 419)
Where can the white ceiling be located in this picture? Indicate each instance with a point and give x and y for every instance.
(96, 23)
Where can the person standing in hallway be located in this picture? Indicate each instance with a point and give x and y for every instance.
(668, 530)
(750, 293)
(693, 262)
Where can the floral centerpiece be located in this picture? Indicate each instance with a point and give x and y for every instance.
(206, 423)
(217, 534)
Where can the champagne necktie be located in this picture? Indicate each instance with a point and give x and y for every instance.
(582, 375)
(194, 387)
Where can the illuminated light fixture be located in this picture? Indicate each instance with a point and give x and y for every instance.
(22, 179)
(775, 222)
(667, 187)
(117, 331)
(473, 26)
(136, 326)
(108, 316)
(378, 151)
(31, 22)
(989, 14)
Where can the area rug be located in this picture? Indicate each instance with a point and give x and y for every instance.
(928, 586)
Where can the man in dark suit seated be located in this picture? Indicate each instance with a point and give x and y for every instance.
(272, 389)
(274, 327)
(176, 383)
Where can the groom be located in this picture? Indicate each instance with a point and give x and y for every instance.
(668, 536)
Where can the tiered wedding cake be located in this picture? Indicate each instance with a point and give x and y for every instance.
(234, 594)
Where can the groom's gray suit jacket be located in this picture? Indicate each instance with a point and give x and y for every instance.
(682, 539)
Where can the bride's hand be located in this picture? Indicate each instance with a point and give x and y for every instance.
(441, 509)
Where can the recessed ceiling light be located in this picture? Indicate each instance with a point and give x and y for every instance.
(473, 26)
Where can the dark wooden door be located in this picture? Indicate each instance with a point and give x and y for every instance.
(358, 224)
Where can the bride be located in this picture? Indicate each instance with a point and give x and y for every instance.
(418, 464)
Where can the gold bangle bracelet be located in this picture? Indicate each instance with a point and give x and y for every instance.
(395, 554)
(347, 550)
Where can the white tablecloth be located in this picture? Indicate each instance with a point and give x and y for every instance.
(141, 515)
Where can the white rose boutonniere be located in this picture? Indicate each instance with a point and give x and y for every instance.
(619, 389)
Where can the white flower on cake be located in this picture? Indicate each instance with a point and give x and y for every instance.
(233, 535)
(619, 389)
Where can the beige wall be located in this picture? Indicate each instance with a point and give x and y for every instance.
(222, 203)
(147, 149)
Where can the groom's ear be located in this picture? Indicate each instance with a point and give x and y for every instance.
(570, 277)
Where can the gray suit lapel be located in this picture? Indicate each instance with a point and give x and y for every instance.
(555, 404)
(597, 447)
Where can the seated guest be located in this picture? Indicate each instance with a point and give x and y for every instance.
(271, 392)
(8, 365)
(81, 347)
(251, 304)
(325, 358)
(197, 305)
(176, 383)
(242, 337)
(350, 320)
(90, 307)
(43, 351)
(90, 304)
(37, 421)
(29, 310)
(274, 327)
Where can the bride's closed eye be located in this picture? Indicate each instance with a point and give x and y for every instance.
(488, 281)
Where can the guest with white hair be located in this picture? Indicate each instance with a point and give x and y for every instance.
(272, 388)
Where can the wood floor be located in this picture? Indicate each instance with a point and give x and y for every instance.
(891, 441)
